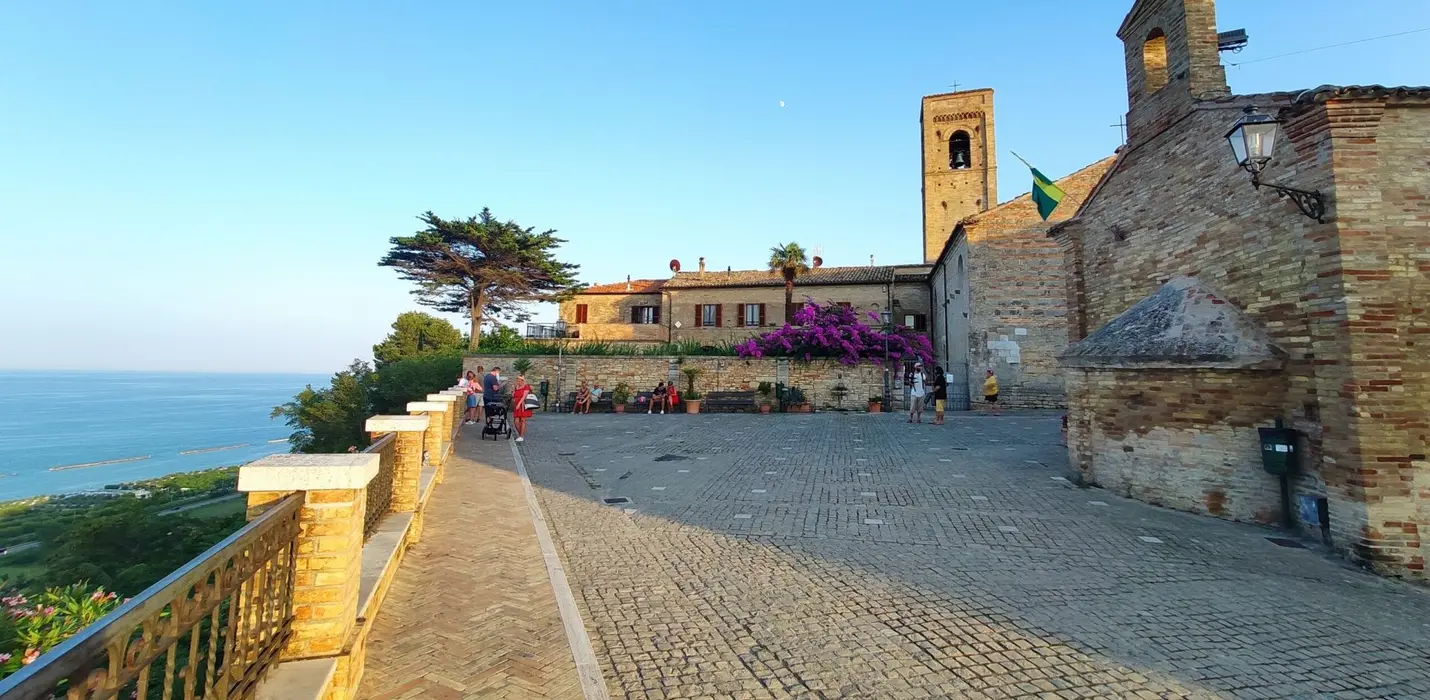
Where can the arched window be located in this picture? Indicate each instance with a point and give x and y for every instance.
(959, 154)
(1154, 61)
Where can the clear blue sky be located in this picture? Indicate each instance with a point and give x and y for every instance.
(208, 186)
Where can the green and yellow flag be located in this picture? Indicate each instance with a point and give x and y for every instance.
(1045, 194)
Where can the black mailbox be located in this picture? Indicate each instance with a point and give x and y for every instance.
(1278, 450)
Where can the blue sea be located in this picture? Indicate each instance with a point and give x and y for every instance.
(173, 421)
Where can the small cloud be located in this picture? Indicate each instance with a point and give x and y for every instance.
(782, 103)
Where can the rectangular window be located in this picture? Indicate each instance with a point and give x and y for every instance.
(645, 315)
(580, 313)
(710, 315)
(752, 315)
(918, 322)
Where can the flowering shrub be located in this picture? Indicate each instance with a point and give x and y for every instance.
(833, 331)
(31, 626)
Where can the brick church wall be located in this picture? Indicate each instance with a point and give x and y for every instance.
(1345, 300)
(1183, 439)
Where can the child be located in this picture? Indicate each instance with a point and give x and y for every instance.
(990, 391)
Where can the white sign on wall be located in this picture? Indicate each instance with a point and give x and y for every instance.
(1006, 350)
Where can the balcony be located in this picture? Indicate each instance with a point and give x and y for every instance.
(548, 331)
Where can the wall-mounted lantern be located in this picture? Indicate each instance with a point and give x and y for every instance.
(1252, 139)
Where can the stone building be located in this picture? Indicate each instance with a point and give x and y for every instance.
(999, 301)
(725, 306)
(1202, 308)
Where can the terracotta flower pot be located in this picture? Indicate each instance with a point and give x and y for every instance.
(876, 408)
(764, 408)
(619, 408)
(692, 405)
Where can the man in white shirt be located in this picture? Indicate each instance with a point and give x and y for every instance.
(918, 389)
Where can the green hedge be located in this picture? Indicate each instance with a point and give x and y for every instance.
(688, 348)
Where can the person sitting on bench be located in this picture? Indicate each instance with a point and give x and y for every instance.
(583, 400)
(657, 398)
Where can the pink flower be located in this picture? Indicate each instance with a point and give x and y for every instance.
(4, 658)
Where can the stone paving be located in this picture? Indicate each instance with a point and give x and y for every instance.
(857, 556)
(471, 612)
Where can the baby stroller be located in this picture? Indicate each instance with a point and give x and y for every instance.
(496, 423)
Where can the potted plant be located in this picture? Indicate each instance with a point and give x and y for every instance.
(766, 391)
(692, 397)
(876, 404)
(795, 400)
(522, 365)
(620, 396)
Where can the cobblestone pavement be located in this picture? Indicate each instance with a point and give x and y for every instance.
(471, 612)
(857, 556)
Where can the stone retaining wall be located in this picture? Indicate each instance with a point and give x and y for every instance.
(827, 384)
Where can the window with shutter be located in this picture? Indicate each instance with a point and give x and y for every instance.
(752, 315)
(657, 314)
(635, 314)
(920, 322)
(707, 315)
(718, 320)
(699, 315)
(580, 313)
(740, 315)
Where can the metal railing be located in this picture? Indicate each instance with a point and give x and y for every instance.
(546, 331)
(211, 629)
(379, 490)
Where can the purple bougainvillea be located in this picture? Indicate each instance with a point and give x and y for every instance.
(835, 332)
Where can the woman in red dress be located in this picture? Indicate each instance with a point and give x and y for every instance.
(519, 411)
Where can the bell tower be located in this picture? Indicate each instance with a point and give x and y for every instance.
(960, 168)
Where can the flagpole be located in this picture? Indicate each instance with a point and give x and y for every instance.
(1015, 155)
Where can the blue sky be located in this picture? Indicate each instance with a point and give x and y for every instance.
(208, 186)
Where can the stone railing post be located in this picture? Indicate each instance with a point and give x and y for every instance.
(407, 468)
(436, 412)
(330, 538)
(454, 415)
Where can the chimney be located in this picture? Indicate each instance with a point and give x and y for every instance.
(628, 283)
(871, 261)
(702, 266)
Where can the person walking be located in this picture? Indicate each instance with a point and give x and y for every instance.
(940, 394)
(990, 391)
(523, 402)
(918, 389)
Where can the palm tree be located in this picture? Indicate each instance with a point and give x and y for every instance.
(789, 260)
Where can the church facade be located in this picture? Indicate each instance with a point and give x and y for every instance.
(1203, 307)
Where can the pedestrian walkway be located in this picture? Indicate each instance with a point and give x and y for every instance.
(471, 613)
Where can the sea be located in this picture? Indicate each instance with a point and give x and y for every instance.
(66, 432)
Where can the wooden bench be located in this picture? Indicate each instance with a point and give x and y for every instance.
(729, 401)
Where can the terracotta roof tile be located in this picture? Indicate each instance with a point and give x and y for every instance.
(763, 278)
(632, 287)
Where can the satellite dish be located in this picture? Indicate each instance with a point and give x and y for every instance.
(818, 261)
(674, 265)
